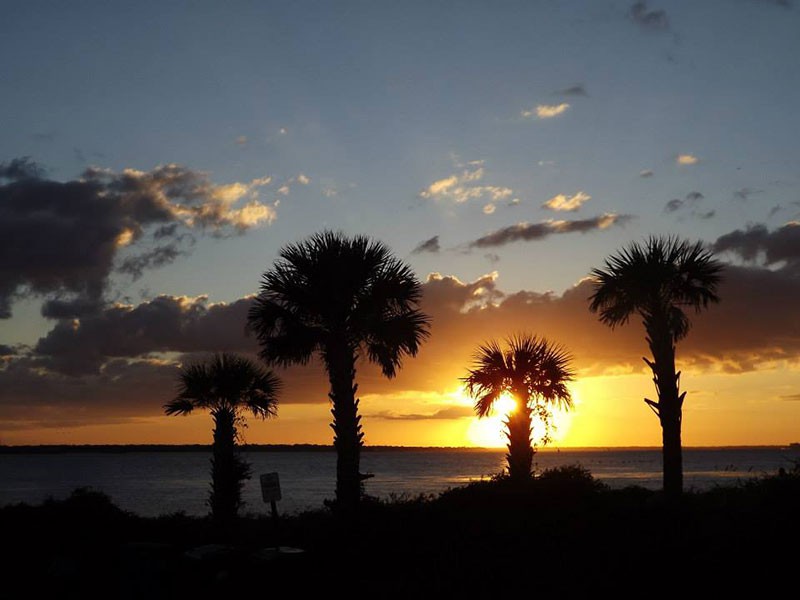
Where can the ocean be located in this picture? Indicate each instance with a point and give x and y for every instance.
(154, 483)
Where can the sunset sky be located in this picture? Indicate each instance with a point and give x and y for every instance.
(155, 157)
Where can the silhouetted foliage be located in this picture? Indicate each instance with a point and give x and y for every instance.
(226, 386)
(735, 538)
(657, 280)
(535, 373)
(341, 298)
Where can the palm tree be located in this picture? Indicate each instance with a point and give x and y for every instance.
(226, 386)
(341, 298)
(535, 372)
(657, 279)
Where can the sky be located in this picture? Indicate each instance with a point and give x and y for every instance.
(156, 156)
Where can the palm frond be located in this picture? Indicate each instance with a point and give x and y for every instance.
(346, 291)
(655, 279)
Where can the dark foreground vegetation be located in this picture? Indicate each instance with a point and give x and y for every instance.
(562, 533)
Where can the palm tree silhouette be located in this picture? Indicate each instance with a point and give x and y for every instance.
(657, 279)
(226, 386)
(341, 298)
(535, 372)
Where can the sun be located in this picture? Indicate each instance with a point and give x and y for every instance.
(488, 432)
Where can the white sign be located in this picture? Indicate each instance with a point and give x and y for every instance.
(270, 487)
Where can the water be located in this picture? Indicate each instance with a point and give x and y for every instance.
(158, 483)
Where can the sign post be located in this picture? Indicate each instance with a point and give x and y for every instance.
(271, 492)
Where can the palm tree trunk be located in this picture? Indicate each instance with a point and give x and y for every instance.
(520, 450)
(669, 413)
(225, 494)
(346, 427)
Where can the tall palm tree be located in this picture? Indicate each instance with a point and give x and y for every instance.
(657, 280)
(341, 298)
(535, 372)
(226, 386)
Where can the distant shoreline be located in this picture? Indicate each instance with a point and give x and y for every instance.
(127, 448)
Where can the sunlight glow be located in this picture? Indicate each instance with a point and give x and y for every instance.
(488, 432)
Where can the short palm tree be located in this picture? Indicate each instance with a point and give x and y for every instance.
(657, 280)
(226, 386)
(535, 372)
(340, 297)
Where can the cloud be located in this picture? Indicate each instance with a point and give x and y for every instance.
(430, 245)
(645, 173)
(546, 111)
(648, 19)
(161, 325)
(574, 90)
(704, 215)
(791, 397)
(462, 187)
(283, 190)
(687, 159)
(21, 169)
(131, 353)
(745, 193)
(694, 197)
(488, 209)
(673, 205)
(241, 140)
(562, 202)
(691, 199)
(303, 179)
(77, 233)
(449, 412)
(535, 231)
(135, 266)
(775, 210)
(770, 248)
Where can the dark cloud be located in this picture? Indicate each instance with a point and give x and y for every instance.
(694, 197)
(645, 173)
(745, 193)
(6, 350)
(431, 245)
(690, 199)
(704, 215)
(791, 397)
(135, 266)
(649, 19)
(74, 232)
(33, 397)
(757, 242)
(575, 90)
(775, 210)
(127, 357)
(73, 308)
(450, 412)
(162, 325)
(20, 169)
(535, 231)
(492, 257)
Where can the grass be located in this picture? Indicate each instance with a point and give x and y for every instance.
(562, 533)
